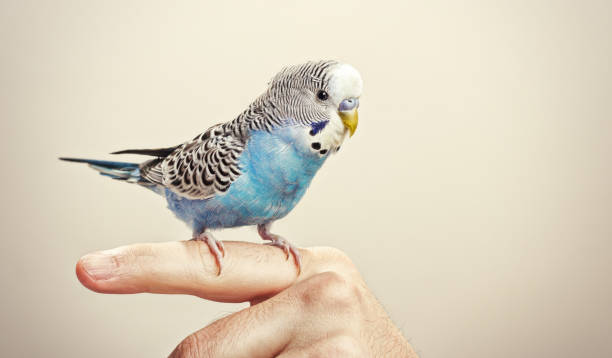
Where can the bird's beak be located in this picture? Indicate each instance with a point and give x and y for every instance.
(350, 119)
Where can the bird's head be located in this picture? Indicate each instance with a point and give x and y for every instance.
(319, 91)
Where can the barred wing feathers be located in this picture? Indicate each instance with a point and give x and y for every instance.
(201, 168)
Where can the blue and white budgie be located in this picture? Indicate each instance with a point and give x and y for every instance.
(254, 169)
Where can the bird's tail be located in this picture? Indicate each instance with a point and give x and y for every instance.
(129, 172)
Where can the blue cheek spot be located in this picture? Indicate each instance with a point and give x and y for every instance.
(317, 127)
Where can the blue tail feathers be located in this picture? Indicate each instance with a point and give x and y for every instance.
(117, 170)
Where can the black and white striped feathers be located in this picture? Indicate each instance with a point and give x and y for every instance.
(200, 168)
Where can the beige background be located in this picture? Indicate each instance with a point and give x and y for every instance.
(475, 196)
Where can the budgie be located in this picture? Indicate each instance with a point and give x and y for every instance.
(254, 169)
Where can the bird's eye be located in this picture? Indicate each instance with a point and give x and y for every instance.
(322, 95)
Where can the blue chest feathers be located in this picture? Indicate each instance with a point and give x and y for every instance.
(276, 171)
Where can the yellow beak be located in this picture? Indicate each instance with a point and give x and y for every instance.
(350, 120)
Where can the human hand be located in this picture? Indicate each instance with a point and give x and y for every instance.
(326, 311)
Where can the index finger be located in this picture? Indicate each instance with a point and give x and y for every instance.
(251, 271)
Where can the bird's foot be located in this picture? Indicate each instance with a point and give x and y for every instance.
(279, 241)
(216, 247)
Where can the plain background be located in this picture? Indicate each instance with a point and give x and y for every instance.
(475, 197)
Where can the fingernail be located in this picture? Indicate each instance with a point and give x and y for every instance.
(100, 265)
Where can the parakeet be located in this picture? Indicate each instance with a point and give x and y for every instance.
(254, 169)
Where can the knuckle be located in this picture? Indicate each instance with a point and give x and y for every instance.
(340, 256)
(337, 255)
(332, 290)
(333, 259)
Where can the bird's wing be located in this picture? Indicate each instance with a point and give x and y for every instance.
(201, 168)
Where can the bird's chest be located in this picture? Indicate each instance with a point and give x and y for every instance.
(276, 171)
(278, 167)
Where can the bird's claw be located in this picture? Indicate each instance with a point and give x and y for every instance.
(215, 246)
(287, 248)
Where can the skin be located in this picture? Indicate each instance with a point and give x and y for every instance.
(326, 311)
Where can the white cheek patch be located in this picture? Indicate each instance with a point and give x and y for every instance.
(327, 139)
